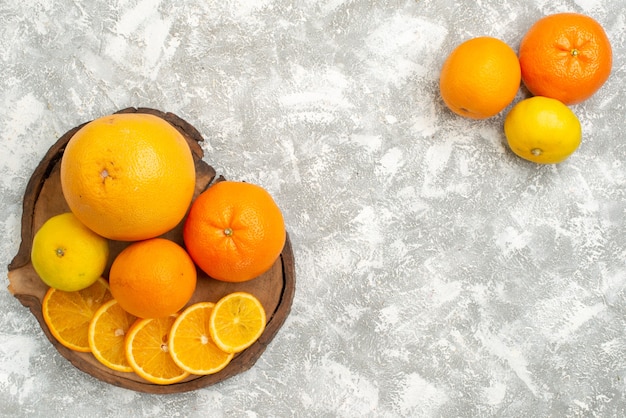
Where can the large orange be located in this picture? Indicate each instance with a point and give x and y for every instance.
(128, 176)
(234, 231)
(152, 278)
(565, 56)
(480, 78)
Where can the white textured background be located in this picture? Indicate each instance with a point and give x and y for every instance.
(437, 273)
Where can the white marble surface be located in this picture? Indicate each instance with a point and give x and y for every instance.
(437, 273)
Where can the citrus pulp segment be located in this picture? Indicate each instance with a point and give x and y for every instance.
(147, 351)
(117, 169)
(107, 333)
(191, 345)
(68, 314)
(237, 321)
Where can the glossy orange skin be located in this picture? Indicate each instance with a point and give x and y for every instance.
(234, 231)
(153, 278)
(480, 78)
(565, 56)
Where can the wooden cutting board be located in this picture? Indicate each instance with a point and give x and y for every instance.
(43, 199)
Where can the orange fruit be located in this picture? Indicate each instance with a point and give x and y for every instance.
(190, 343)
(107, 333)
(116, 171)
(234, 231)
(565, 56)
(480, 78)
(67, 314)
(147, 351)
(152, 278)
(237, 321)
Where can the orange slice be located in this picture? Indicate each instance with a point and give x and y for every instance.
(147, 351)
(68, 314)
(190, 343)
(107, 332)
(237, 321)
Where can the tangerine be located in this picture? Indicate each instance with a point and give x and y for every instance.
(565, 56)
(152, 278)
(116, 171)
(480, 78)
(234, 231)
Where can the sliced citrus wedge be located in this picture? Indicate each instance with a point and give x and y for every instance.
(190, 343)
(237, 321)
(107, 332)
(68, 314)
(147, 351)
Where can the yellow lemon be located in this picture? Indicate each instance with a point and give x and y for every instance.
(67, 255)
(542, 130)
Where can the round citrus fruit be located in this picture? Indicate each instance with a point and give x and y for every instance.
(128, 176)
(190, 343)
(234, 231)
(67, 255)
(565, 56)
(107, 333)
(237, 321)
(147, 351)
(542, 130)
(480, 78)
(68, 314)
(152, 278)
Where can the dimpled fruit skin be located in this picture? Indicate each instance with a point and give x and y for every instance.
(542, 130)
(565, 56)
(128, 176)
(480, 78)
(234, 231)
(67, 255)
(153, 278)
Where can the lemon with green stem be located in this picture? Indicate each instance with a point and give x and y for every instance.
(67, 255)
(542, 130)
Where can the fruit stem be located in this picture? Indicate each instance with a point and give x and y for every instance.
(60, 252)
(536, 152)
(574, 52)
(228, 232)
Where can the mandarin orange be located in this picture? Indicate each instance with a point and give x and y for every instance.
(565, 56)
(234, 231)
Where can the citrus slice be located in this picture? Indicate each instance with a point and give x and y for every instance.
(107, 332)
(190, 343)
(237, 321)
(67, 314)
(147, 351)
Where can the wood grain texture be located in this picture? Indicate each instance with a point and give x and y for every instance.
(43, 199)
